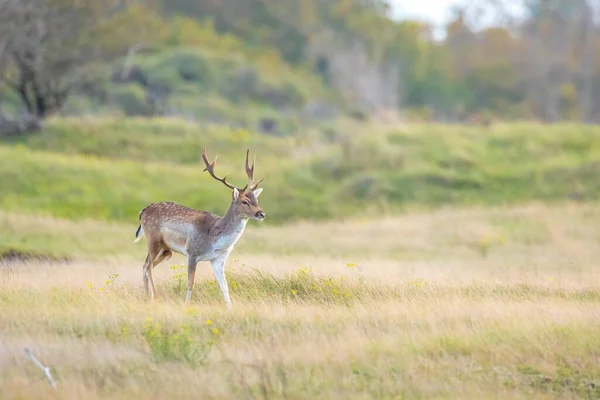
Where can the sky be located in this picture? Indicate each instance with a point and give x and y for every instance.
(438, 12)
(434, 11)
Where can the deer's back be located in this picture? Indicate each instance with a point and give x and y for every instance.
(176, 224)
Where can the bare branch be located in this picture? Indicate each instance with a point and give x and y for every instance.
(129, 58)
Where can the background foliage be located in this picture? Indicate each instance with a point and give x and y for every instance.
(242, 62)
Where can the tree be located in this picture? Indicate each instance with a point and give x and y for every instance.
(54, 46)
(7, 25)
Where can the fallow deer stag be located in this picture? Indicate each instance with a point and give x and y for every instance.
(197, 234)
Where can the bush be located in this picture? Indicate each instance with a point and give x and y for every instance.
(182, 67)
(199, 72)
(131, 98)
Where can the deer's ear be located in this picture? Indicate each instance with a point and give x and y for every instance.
(257, 192)
(236, 194)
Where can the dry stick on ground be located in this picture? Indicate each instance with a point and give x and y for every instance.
(41, 366)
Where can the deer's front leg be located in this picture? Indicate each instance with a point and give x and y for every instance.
(191, 275)
(218, 265)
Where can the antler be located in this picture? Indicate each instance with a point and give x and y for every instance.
(250, 172)
(210, 167)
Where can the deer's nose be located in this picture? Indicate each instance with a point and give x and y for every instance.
(260, 214)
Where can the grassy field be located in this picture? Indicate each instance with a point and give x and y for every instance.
(478, 303)
(484, 286)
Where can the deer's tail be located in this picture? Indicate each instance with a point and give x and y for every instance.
(140, 231)
(138, 234)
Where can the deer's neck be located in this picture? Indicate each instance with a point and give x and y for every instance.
(232, 225)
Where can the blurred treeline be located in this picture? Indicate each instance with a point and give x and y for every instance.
(276, 64)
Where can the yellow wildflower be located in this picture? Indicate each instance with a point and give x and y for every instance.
(191, 311)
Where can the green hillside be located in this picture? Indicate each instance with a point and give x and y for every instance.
(110, 168)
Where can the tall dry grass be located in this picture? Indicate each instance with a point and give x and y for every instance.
(473, 303)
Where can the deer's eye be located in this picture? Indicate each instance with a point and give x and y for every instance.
(244, 202)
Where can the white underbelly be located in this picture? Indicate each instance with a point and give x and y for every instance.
(177, 248)
(176, 241)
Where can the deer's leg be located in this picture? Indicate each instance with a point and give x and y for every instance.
(153, 254)
(218, 265)
(145, 277)
(164, 255)
(191, 275)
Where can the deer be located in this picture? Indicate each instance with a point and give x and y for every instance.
(197, 234)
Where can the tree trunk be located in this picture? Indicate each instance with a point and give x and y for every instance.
(22, 90)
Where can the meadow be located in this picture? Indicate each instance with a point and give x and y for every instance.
(110, 168)
(473, 303)
(472, 294)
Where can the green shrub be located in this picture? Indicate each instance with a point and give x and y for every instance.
(131, 98)
(184, 343)
(181, 67)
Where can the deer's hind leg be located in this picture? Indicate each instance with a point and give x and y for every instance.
(144, 276)
(154, 253)
(163, 255)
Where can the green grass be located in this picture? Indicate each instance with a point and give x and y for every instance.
(60, 238)
(435, 164)
(168, 141)
(110, 168)
(87, 187)
(83, 187)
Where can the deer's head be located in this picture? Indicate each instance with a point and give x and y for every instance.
(243, 200)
